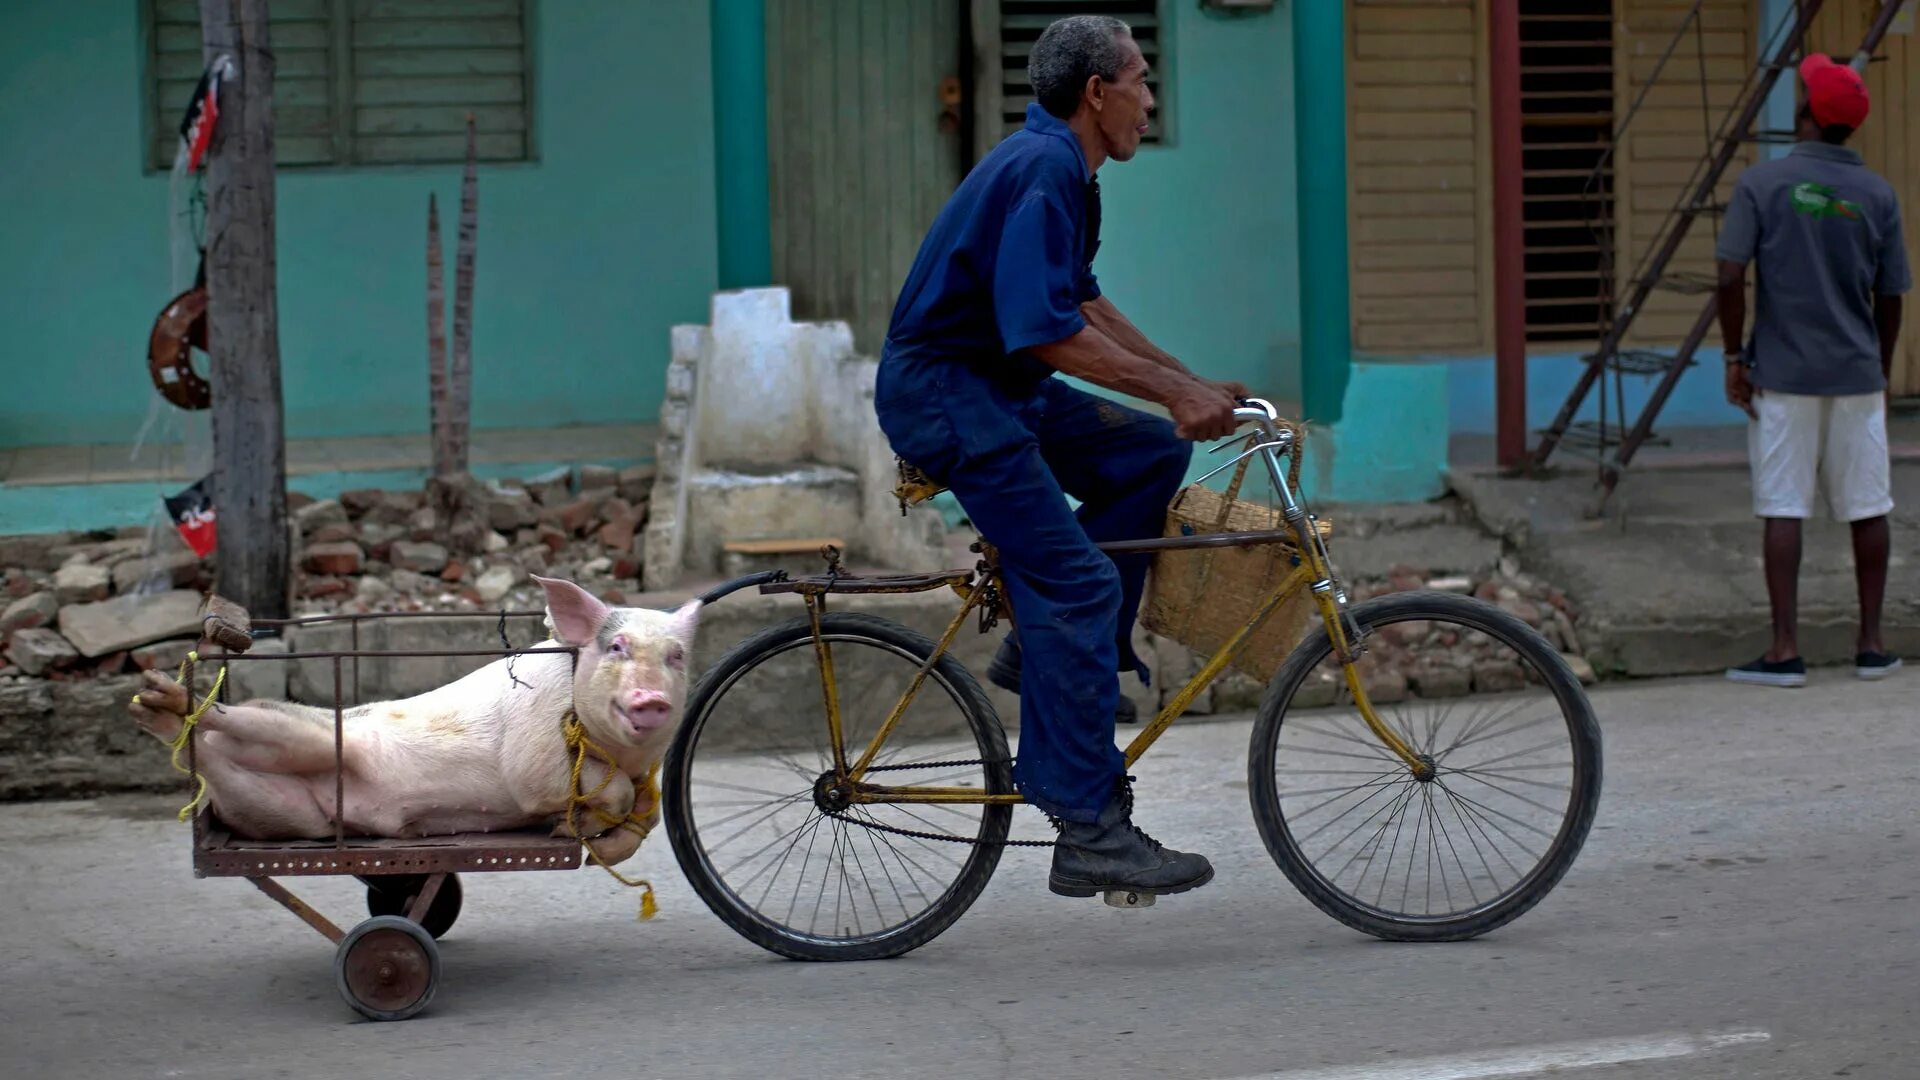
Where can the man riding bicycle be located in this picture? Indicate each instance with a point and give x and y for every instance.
(1002, 297)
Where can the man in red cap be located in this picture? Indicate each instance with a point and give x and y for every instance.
(1830, 266)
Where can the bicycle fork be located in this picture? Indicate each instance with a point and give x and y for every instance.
(1328, 595)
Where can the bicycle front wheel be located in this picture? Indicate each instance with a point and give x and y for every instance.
(763, 840)
(1515, 786)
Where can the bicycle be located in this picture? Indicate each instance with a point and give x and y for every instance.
(896, 707)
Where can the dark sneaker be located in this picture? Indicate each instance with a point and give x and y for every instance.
(1112, 853)
(1004, 673)
(1764, 672)
(1875, 665)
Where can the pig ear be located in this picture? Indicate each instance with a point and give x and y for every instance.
(575, 613)
(686, 619)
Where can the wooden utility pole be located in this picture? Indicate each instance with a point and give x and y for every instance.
(249, 444)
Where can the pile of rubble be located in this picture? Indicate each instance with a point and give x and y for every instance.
(103, 604)
(1425, 660)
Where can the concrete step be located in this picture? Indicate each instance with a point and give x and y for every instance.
(735, 504)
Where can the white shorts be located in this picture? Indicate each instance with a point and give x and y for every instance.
(1839, 443)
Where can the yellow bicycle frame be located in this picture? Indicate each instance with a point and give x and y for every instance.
(1312, 572)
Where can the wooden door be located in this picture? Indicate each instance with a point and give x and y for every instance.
(1890, 141)
(864, 144)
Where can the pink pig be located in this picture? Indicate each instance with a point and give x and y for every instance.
(484, 753)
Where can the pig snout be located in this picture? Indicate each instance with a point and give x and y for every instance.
(646, 710)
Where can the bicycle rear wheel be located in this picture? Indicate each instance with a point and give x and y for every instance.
(1516, 782)
(768, 849)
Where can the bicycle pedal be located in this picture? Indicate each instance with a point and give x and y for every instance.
(1127, 898)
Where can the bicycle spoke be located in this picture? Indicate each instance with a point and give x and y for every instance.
(1387, 874)
(1529, 826)
(1367, 741)
(1469, 830)
(1521, 753)
(1372, 843)
(814, 817)
(705, 782)
(1465, 877)
(1481, 821)
(874, 843)
(812, 836)
(744, 831)
(751, 807)
(1474, 727)
(1336, 820)
(1507, 777)
(1514, 795)
(1501, 734)
(1345, 789)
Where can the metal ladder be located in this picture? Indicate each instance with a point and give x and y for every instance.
(1650, 273)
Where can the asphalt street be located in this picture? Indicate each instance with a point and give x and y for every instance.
(1745, 907)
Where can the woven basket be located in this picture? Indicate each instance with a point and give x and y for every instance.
(1201, 597)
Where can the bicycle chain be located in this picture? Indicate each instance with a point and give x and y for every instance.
(916, 834)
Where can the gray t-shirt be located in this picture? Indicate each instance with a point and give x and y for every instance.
(1824, 233)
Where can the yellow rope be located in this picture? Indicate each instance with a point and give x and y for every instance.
(575, 734)
(187, 724)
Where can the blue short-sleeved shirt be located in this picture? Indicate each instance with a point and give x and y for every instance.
(1823, 232)
(1009, 261)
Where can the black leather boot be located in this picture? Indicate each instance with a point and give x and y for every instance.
(1004, 673)
(1113, 853)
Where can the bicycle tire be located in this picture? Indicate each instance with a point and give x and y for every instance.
(988, 736)
(1584, 740)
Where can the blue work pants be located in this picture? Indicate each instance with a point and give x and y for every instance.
(1011, 457)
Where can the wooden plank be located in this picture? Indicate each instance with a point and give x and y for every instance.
(286, 34)
(1375, 311)
(1413, 72)
(437, 33)
(799, 546)
(440, 90)
(1370, 19)
(1413, 124)
(1428, 46)
(1412, 151)
(1458, 282)
(187, 12)
(1427, 336)
(1379, 178)
(422, 62)
(437, 119)
(1415, 204)
(436, 9)
(1684, 71)
(1413, 256)
(1422, 228)
(1450, 96)
(1660, 23)
(392, 149)
(175, 93)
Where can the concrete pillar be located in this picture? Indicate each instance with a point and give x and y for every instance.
(740, 142)
(1320, 131)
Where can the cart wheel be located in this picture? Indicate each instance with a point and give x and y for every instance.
(393, 894)
(387, 968)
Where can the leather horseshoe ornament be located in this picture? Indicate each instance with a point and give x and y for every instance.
(181, 328)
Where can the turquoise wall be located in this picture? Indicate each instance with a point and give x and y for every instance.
(1198, 238)
(585, 257)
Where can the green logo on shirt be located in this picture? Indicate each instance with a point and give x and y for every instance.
(1820, 201)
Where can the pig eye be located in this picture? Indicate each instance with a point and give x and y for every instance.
(676, 656)
(619, 647)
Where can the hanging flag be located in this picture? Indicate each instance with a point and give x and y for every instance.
(203, 112)
(192, 514)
